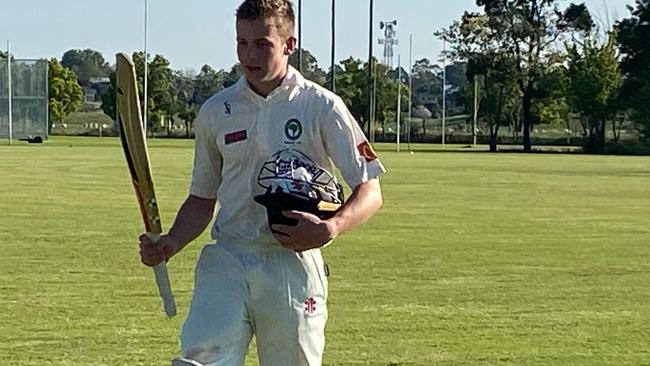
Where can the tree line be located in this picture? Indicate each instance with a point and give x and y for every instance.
(526, 62)
(534, 62)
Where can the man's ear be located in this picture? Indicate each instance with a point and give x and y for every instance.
(290, 45)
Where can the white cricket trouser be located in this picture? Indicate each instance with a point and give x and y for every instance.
(273, 292)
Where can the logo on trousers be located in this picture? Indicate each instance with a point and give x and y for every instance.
(310, 306)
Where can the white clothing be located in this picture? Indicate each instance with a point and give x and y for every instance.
(247, 283)
(275, 293)
(237, 130)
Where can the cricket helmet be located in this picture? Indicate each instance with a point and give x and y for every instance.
(292, 181)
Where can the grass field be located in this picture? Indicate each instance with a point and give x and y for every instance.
(475, 259)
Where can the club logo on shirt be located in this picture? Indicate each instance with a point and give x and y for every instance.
(293, 129)
(227, 110)
(366, 151)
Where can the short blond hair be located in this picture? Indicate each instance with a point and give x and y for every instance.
(282, 10)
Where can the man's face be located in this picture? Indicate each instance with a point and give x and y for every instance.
(263, 52)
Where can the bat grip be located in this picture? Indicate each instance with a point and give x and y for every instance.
(164, 285)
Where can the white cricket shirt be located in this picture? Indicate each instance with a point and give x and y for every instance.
(238, 130)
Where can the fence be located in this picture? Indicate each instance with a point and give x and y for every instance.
(29, 99)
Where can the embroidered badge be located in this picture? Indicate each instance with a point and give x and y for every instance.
(366, 151)
(233, 137)
(293, 129)
(310, 306)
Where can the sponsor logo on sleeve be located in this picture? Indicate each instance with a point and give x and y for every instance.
(366, 151)
(233, 137)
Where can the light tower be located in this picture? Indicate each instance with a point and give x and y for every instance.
(389, 40)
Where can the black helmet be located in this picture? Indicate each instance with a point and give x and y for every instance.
(294, 182)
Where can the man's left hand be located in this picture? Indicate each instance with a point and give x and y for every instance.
(310, 232)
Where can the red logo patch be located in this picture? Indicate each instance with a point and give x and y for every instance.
(231, 138)
(366, 151)
(310, 306)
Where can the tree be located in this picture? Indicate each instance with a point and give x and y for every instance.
(185, 104)
(456, 84)
(65, 94)
(352, 86)
(492, 67)
(207, 83)
(310, 69)
(231, 77)
(551, 102)
(524, 30)
(108, 99)
(85, 64)
(499, 104)
(387, 88)
(161, 91)
(594, 81)
(159, 88)
(350, 83)
(633, 36)
(426, 84)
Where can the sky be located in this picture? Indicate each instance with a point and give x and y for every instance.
(191, 33)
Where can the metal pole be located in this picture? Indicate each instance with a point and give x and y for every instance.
(146, 69)
(374, 101)
(371, 117)
(444, 88)
(475, 110)
(47, 98)
(333, 46)
(408, 125)
(300, 36)
(399, 97)
(10, 95)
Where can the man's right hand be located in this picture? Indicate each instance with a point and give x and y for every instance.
(152, 253)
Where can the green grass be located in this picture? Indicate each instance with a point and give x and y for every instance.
(475, 259)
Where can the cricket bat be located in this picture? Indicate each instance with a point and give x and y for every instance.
(134, 144)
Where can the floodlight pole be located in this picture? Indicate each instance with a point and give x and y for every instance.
(371, 99)
(333, 46)
(399, 97)
(374, 100)
(444, 88)
(300, 36)
(146, 69)
(10, 95)
(408, 125)
(475, 110)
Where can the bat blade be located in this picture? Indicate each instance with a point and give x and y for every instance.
(134, 145)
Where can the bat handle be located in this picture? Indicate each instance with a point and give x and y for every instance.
(164, 285)
(165, 289)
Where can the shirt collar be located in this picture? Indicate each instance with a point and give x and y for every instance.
(292, 78)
